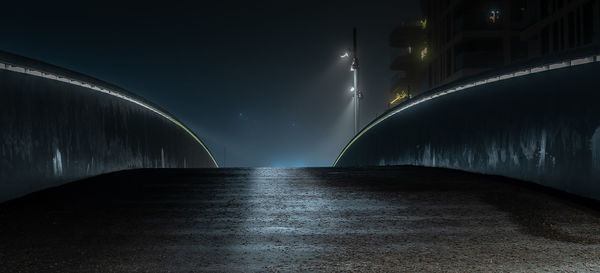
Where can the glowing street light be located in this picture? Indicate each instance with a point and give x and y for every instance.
(357, 93)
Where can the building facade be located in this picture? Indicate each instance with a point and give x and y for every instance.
(559, 26)
(467, 37)
(408, 46)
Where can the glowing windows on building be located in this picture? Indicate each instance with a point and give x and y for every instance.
(494, 16)
(423, 53)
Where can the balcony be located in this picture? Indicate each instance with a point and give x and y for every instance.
(405, 62)
(407, 35)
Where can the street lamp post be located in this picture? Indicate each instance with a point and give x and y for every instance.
(357, 94)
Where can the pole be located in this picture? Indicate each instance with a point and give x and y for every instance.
(356, 101)
(356, 90)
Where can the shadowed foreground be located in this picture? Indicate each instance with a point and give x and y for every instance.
(383, 219)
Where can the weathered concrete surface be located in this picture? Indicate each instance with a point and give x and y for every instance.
(542, 127)
(53, 132)
(405, 219)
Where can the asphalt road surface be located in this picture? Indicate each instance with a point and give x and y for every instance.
(403, 219)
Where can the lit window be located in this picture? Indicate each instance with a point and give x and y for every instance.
(400, 97)
(423, 53)
(494, 16)
(424, 23)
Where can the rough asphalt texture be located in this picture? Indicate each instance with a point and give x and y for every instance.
(242, 220)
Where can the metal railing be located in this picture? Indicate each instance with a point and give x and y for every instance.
(518, 70)
(39, 69)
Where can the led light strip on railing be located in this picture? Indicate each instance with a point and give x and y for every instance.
(518, 73)
(56, 77)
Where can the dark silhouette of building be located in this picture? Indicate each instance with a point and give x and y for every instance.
(408, 46)
(558, 26)
(467, 37)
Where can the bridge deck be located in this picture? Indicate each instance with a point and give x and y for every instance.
(384, 219)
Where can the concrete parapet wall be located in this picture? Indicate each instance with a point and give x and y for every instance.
(56, 129)
(542, 127)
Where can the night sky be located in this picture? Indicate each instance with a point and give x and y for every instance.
(262, 80)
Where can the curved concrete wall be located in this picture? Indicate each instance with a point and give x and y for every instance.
(540, 125)
(57, 126)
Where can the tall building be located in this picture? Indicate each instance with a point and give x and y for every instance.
(467, 37)
(557, 27)
(408, 46)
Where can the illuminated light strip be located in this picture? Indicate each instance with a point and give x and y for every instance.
(582, 61)
(539, 69)
(558, 65)
(440, 93)
(522, 73)
(56, 77)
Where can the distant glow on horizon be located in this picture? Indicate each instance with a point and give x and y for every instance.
(518, 73)
(289, 165)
